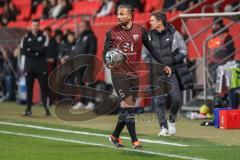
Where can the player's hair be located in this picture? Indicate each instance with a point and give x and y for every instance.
(160, 16)
(36, 21)
(71, 33)
(87, 23)
(48, 29)
(129, 8)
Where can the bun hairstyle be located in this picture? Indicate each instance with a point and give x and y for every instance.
(160, 16)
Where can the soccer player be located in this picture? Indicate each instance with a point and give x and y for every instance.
(128, 38)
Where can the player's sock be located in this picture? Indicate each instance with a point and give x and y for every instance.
(172, 118)
(120, 124)
(130, 123)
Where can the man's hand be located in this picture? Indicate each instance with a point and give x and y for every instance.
(111, 66)
(168, 71)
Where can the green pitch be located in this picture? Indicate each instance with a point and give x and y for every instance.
(39, 137)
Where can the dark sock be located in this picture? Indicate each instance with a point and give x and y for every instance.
(172, 118)
(130, 123)
(29, 108)
(46, 108)
(162, 120)
(120, 124)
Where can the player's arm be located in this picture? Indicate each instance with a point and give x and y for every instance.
(108, 45)
(147, 43)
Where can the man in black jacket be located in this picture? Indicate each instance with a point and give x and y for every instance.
(34, 45)
(172, 50)
(86, 44)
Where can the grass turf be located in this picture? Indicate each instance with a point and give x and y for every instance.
(22, 147)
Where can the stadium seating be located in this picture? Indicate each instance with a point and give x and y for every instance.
(25, 8)
(38, 13)
(88, 8)
(84, 7)
(151, 5)
(18, 24)
(1, 10)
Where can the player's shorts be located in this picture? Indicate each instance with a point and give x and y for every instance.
(125, 85)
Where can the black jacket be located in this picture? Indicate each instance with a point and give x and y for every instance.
(53, 51)
(185, 78)
(163, 44)
(35, 49)
(86, 43)
(67, 50)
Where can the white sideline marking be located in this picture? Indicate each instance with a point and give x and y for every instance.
(86, 133)
(99, 145)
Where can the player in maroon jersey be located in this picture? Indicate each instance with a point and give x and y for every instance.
(128, 38)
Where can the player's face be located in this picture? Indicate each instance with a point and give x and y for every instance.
(35, 26)
(124, 17)
(156, 24)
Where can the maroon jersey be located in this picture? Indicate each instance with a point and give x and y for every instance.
(130, 43)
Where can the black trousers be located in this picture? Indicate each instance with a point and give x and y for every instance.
(174, 99)
(80, 80)
(43, 82)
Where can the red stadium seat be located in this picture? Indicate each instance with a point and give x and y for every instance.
(237, 56)
(38, 13)
(1, 10)
(151, 5)
(24, 12)
(85, 7)
(19, 24)
(141, 17)
(22, 2)
(46, 23)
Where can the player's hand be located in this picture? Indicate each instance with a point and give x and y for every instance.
(112, 66)
(168, 71)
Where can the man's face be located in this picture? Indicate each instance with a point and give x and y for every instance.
(155, 24)
(35, 26)
(124, 16)
(71, 38)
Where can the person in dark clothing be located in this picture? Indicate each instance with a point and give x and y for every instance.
(10, 12)
(53, 48)
(34, 46)
(1, 77)
(227, 40)
(46, 9)
(9, 66)
(69, 48)
(86, 41)
(168, 4)
(221, 47)
(34, 5)
(86, 44)
(171, 49)
(55, 43)
(67, 51)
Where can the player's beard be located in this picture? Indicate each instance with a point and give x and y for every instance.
(123, 24)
